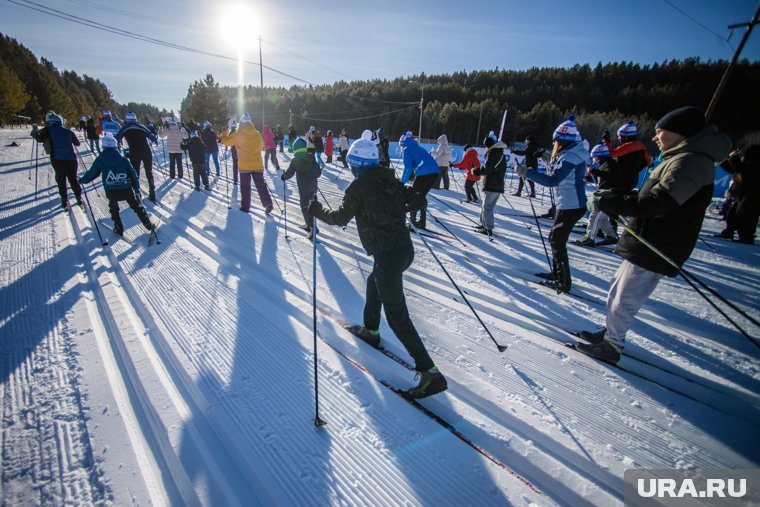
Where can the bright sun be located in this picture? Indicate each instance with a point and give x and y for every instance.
(239, 26)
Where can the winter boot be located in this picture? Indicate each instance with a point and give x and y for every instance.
(547, 276)
(431, 382)
(604, 351)
(608, 240)
(268, 209)
(118, 229)
(517, 194)
(593, 337)
(585, 241)
(556, 285)
(366, 335)
(725, 233)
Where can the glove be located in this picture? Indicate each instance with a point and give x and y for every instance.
(315, 208)
(596, 197)
(521, 170)
(476, 171)
(34, 129)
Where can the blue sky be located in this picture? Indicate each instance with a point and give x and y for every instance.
(322, 42)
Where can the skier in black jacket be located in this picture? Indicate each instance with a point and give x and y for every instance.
(380, 204)
(137, 137)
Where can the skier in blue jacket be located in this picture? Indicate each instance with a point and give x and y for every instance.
(120, 182)
(423, 166)
(59, 142)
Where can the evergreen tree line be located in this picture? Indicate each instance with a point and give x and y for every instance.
(463, 105)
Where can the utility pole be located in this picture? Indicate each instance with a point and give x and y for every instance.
(730, 68)
(261, 72)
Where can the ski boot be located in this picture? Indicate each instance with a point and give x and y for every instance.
(431, 382)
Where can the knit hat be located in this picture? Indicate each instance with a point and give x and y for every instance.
(53, 119)
(467, 147)
(106, 113)
(194, 133)
(130, 117)
(299, 148)
(172, 121)
(600, 150)
(490, 139)
(245, 118)
(232, 124)
(363, 152)
(109, 141)
(686, 121)
(567, 130)
(628, 130)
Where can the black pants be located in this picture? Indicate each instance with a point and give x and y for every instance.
(443, 177)
(385, 290)
(66, 170)
(469, 190)
(175, 159)
(343, 154)
(199, 173)
(135, 157)
(520, 187)
(422, 185)
(564, 220)
(115, 196)
(742, 217)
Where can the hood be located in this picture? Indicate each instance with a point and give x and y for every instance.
(409, 142)
(442, 139)
(709, 142)
(499, 145)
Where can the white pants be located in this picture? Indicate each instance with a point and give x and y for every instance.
(630, 288)
(599, 220)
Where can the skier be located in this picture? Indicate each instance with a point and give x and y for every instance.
(197, 152)
(248, 142)
(307, 172)
(631, 155)
(569, 169)
(379, 203)
(667, 213)
(120, 181)
(278, 137)
(212, 147)
(63, 158)
(270, 148)
(383, 144)
(343, 147)
(106, 124)
(329, 145)
(421, 165)
(605, 169)
(469, 162)
(742, 215)
(174, 135)
(319, 147)
(531, 153)
(494, 170)
(292, 135)
(232, 125)
(92, 136)
(137, 137)
(442, 156)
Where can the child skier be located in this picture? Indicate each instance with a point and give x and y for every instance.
(307, 173)
(120, 182)
(469, 162)
(197, 150)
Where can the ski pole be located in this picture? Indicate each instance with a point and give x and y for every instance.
(36, 167)
(501, 348)
(285, 205)
(227, 177)
(446, 228)
(30, 160)
(529, 227)
(103, 242)
(689, 277)
(453, 208)
(328, 204)
(318, 421)
(533, 209)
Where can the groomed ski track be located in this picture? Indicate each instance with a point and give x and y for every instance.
(205, 345)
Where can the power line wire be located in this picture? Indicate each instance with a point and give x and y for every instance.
(352, 119)
(724, 39)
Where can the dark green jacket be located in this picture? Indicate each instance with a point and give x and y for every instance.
(380, 204)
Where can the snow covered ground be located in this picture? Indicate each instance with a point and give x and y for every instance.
(182, 373)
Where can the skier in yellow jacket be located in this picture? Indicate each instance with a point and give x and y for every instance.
(249, 143)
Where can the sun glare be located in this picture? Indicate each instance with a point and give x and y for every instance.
(239, 26)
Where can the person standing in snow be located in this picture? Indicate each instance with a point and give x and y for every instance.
(631, 155)
(343, 147)
(197, 153)
(107, 125)
(469, 163)
(743, 213)
(63, 158)
(329, 145)
(174, 136)
(278, 136)
(443, 157)
(605, 170)
(568, 172)
(383, 144)
(270, 148)
(92, 135)
(319, 147)
(120, 181)
(494, 170)
(667, 213)
(307, 173)
(380, 202)
(211, 141)
(232, 126)
(137, 137)
(292, 135)
(421, 165)
(532, 154)
(249, 143)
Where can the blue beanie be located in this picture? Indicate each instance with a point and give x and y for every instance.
(567, 130)
(628, 130)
